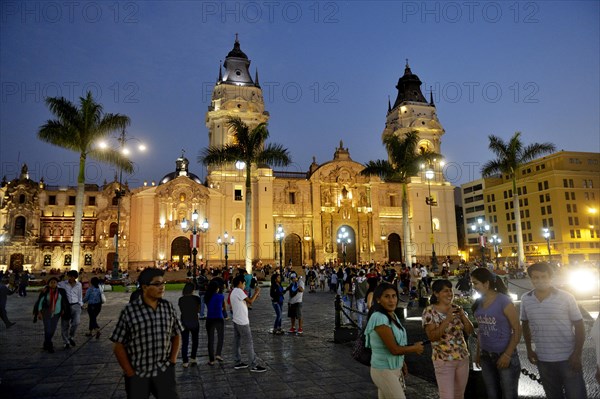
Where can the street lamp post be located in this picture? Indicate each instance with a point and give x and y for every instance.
(430, 174)
(194, 228)
(344, 239)
(279, 237)
(496, 242)
(546, 234)
(119, 193)
(226, 242)
(481, 227)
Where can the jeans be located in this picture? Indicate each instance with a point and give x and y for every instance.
(500, 383)
(93, 311)
(559, 377)
(452, 377)
(163, 386)
(202, 304)
(50, 324)
(185, 342)
(211, 326)
(69, 324)
(361, 306)
(389, 383)
(278, 311)
(243, 335)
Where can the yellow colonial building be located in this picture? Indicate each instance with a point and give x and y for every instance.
(558, 192)
(312, 207)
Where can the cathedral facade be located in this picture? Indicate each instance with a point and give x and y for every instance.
(313, 208)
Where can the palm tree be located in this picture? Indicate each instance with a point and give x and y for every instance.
(510, 157)
(78, 129)
(404, 162)
(249, 147)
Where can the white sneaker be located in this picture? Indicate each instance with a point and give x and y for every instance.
(185, 365)
(193, 361)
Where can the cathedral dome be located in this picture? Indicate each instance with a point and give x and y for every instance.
(181, 169)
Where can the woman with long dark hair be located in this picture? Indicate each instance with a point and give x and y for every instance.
(93, 298)
(277, 295)
(499, 335)
(445, 325)
(50, 306)
(214, 319)
(189, 305)
(387, 339)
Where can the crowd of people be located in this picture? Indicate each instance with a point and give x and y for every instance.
(151, 334)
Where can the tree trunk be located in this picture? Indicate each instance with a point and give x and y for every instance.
(406, 228)
(248, 251)
(517, 213)
(78, 214)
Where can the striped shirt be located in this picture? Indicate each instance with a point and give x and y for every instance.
(551, 324)
(146, 334)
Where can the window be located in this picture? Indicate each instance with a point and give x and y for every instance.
(506, 206)
(52, 200)
(541, 198)
(91, 202)
(20, 223)
(578, 233)
(575, 208)
(477, 187)
(565, 183)
(570, 221)
(524, 190)
(547, 197)
(489, 209)
(508, 216)
(519, 190)
(545, 184)
(576, 221)
(505, 195)
(543, 210)
(572, 196)
(529, 237)
(586, 195)
(47, 260)
(572, 232)
(87, 260)
(467, 190)
(237, 194)
(67, 260)
(549, 209)
(571, 184)
(112, 230)
(550, 222)
(292, 198)
(540, 186)
(494, 207)
(468, 200)
(71, 200)
(115, 201)
(528, 225)
(544, 223)
(493, 197)
(393, 201)
(567, 196)
(510, 239)
(526, 213)
(568, 207)
(22, 199)
(509, 228)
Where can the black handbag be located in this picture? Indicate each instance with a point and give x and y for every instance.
(360, 352)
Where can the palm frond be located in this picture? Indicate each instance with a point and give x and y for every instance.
(274, 155)
(112, 157)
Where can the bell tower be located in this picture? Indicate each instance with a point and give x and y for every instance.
(234, 94)
(412, 112)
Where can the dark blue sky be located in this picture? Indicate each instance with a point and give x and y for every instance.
(326, 69)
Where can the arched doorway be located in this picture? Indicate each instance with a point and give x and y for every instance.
(394, 248)
(350, 247)
(180, 250)
(293, 250)
(16, 262)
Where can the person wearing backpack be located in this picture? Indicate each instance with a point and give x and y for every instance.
(388, 342)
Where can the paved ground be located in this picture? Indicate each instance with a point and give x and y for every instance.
(308, 366)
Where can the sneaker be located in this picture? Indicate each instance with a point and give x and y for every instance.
(219, 358)
(193, 361)
(292, 330)
(72, 342)
(300, 331)
(185, 365)
(240, 366)
(98, 334)
(258, 369)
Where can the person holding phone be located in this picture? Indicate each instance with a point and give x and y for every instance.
(445, 325)
(387, 339)
(499, 335)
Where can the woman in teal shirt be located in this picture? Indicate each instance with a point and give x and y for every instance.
(387, 339)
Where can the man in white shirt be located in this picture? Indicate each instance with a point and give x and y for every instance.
(74, 295)
(241, 325)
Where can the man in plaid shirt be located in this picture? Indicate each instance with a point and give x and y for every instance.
(147, 339)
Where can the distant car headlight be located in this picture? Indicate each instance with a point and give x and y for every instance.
(583, 281)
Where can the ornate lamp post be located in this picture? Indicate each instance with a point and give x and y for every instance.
(120, 192)
(344, 239)
(226, 242)
(481, 227)
(546, 234)
(194, 228)
(495, 240)
(429, 175)
(279, 237)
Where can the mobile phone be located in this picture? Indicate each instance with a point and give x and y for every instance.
(426, 342)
